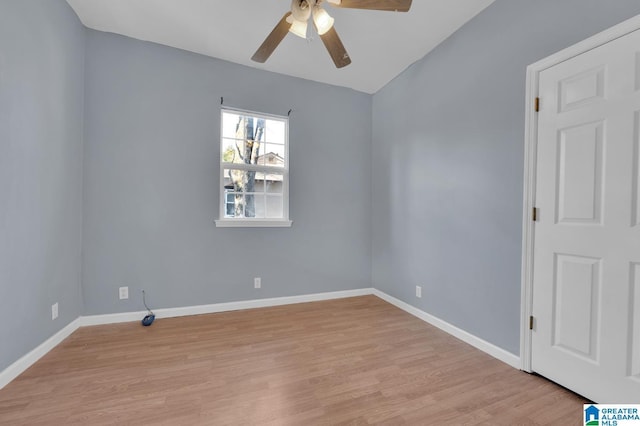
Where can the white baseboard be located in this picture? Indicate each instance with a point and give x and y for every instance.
(483, 345)
(112, 318)
(18, 367)
(222, 307)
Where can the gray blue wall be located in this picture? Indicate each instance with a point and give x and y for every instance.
(41, 110)
(448, 138)
(420, 184)
(151, 182)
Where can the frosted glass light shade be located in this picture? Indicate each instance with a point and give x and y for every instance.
(299, 28)
(322, 19)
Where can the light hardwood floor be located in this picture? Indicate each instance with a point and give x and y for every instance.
(350, 361)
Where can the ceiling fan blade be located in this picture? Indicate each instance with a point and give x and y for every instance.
(335, 47)
(273, 40)
(388, 5)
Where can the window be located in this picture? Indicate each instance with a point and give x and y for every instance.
(254, 169)
(229, 203)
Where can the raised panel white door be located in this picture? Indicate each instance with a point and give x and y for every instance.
(586, 264)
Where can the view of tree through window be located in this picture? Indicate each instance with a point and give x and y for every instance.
(254, 171)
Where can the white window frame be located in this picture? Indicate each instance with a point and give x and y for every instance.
(252, 222)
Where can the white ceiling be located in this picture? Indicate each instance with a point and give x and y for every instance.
(381, 44)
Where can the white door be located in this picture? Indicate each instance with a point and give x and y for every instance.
(586, 265)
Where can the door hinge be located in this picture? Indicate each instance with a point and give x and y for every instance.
(537, 104)
(531, 322)
(534, 214)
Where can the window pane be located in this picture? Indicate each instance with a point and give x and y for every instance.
(234, 206)
(275, 206)
(271, 155)
(245, 192)
(229, 150)
(274, 131)
(244, 140)
(238, 150)
(230, 204)
(270, 183)
(258, 201)
(273, 184)
(229, 123)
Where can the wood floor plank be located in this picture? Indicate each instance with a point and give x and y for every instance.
(356, 361)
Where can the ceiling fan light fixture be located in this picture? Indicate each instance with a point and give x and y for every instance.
(299, 28)
(300, 10)
(296, 21)
(322, 19)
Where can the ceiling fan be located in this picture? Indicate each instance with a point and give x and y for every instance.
(296, 21)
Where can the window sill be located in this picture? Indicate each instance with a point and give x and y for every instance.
(253, 223)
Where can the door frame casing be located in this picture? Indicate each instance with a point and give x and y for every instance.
(530, 165)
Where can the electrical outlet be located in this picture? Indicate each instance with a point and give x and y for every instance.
(54, 311)
(124, 293)
(418, 291)
(257, 282)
